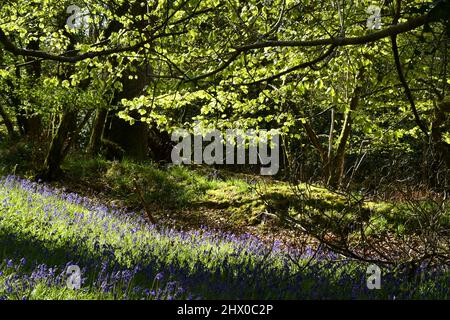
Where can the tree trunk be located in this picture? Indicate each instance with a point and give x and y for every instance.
(55, 155)
(7, 121)
(132, 138)
(28, 125)
(442, 159)
(333, 164)
(97, 131)
(337, 163)
(33, 123)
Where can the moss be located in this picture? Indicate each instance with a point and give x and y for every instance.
(240, 199)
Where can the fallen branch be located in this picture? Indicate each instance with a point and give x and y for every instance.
(140, 194)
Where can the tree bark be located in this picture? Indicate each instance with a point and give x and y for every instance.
(132, 138)
(7, 121)
(33, 123)
(333, 164)
(97, 131)
(442, 148)
(337, 164)
(55, 155)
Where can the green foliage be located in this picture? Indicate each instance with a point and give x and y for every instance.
(179, 184)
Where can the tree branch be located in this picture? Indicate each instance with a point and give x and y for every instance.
(9, 46)
(409, 25)
(401, 76)
(297, 67)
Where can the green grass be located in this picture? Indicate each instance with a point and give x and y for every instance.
(215, 195)
(48, 227)
(179, 184)
(243, 198)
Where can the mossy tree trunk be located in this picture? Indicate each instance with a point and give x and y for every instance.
(55, 155)
(333, 162)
